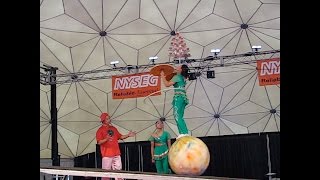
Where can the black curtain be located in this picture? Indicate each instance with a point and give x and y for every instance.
(131, 156)
(274, 143)
(237, 156)
(147, 165)
(241, 156)
(88, 161)
(98, 157)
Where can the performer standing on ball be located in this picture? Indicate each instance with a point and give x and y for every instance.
(180, 99)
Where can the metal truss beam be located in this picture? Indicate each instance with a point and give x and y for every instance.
(195, 65)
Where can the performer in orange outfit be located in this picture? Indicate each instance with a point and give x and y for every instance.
(107, 137)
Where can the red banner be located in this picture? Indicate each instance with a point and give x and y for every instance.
(269, 71)
(135, 85)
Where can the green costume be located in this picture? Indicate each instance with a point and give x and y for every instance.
(161, 152)
(180, 101)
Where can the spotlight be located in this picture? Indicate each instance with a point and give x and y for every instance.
(180, 61)
(176, 61)
(153, 58)
(210, 74)
(114, 63)
(256, 48)
(215, 52)
(192, 76)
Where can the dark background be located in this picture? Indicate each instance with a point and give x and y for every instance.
(235, 156)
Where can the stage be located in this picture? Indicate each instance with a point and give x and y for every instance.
(94, 172)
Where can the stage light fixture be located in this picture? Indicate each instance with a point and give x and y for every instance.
(176, 61)
(210, 74)
(215, 52)
(256, 48)
(153, 58)
(180, 61)
(192, 76)
(114, 63)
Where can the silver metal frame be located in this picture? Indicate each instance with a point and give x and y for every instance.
(197, 65)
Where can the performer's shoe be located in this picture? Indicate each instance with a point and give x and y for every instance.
(181, 135)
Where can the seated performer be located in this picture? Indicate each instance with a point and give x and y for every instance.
(180, 99)
(160, 144)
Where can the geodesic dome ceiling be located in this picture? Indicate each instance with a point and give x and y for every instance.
(83, 35)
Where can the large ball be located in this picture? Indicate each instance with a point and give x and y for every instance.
(189, 156)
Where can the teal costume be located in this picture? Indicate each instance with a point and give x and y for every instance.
(180, 101)
(161, 152)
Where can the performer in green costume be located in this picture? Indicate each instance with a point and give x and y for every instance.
(160, 144)
(180, 99)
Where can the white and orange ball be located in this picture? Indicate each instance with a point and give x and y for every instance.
(189, 156)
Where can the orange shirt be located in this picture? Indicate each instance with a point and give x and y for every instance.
(109, 148)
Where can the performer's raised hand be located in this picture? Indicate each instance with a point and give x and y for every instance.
(131, 134)
(162, 74)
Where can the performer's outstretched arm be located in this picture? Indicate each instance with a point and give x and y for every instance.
(130, 134)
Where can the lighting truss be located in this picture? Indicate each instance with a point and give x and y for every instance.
(197, 65)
